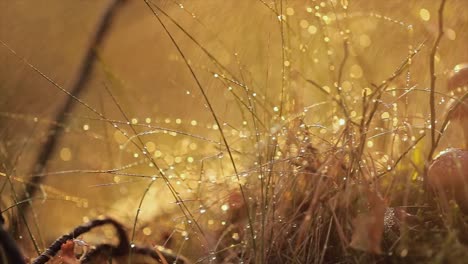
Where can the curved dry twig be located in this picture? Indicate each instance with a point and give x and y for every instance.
(121, 249)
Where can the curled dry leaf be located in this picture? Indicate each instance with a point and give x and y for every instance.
(66, 255)
(369, 227)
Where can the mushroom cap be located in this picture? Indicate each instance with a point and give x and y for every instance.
(448, 176)
(458, 77)
(461, 110)
(458, 84)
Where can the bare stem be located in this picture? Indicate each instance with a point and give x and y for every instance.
(83, 75)
(433, 78)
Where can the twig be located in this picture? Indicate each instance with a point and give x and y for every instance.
(83, 75)
(340, 77)
(110, 251)
(121, 249)
(433, 78)
(434, 141)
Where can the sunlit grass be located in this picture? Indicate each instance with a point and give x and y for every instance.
(304, 137)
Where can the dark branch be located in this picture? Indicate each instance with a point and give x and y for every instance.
(82, 79)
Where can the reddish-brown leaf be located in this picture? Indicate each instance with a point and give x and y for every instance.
(369, 227)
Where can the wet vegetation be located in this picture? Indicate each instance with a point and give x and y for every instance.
(234, 131)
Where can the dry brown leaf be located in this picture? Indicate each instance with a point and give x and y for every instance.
(369, 227)
(67, 253)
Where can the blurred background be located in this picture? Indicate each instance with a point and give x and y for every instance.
(261, 64)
